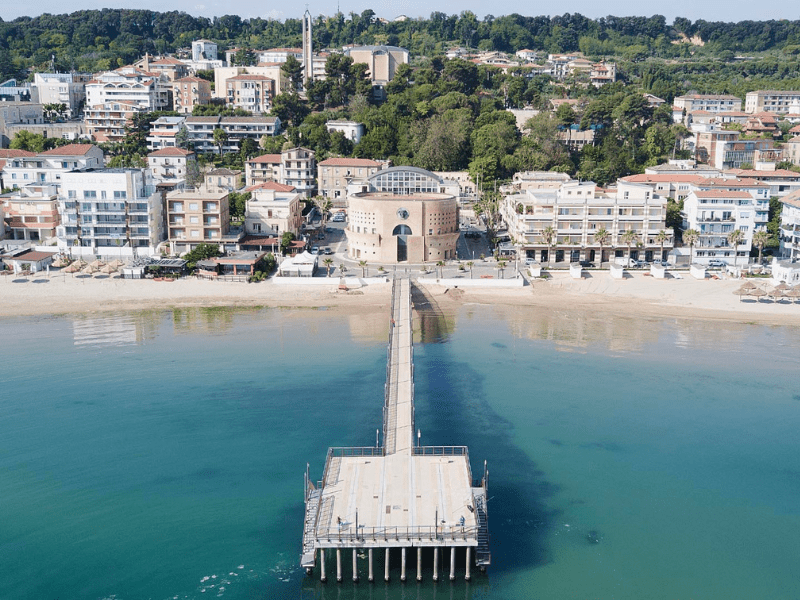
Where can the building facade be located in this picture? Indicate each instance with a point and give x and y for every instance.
(68, 89)
(713, 103)
(299, 169)
(105, 208)
(189, 92)
(171, 164)
(774, 101)
(253, 93)
(334, 175)
(790, 227)
(403, 216)
(715, 214)
(559, 224)
(197, 217)
(30, 213)
(200, 131)
(49, 166)
(382, 61)
(273, 212)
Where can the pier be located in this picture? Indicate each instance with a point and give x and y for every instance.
(398, 496)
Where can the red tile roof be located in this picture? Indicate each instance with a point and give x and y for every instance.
(70, 150)
(266, 158)
(14, 153)
(663, 178)
(31, 256)
(171, 152)
(271, 185)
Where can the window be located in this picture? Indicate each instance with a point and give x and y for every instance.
(120, 195)
(192, 205)
(89, 194)
(102, 194)
(71, 194)
(194, 220)
(195, 233)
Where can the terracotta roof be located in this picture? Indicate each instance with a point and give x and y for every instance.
(752, 173)
(722, 194)
(723, 182)
(256, 240)
(271, 185)
(190, 79)
(223, 171)
(349, 162)
(171, 152)
(70, 150)
(167, 61)
(14, 153)
(792, 199)
(266, 158)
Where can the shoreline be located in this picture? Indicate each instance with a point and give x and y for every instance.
(636, 296)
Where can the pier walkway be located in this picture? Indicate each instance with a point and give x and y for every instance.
(398, 494)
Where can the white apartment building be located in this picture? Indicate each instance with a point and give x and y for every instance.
(68, 89)
(170, 164)
(273, 212)
(714, 214)
(774, 101)
(164, 132)
(758, 190)
(106, 208)
(129, 85)
(279, 55)
(790, 227)
(204, 50)
(49, 166)
(352, 131)
(575, 211)
(713, 103)
(106, 122)
(200, 131)
(299, 169)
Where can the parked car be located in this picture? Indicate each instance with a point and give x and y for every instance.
(314, 249)
(327, 250)
(715, 262)
(630, 263)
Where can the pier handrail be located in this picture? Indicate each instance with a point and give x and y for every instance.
(418, 533)
(440, 451)
(355, 451)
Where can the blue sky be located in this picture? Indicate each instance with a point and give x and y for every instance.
(710, 10)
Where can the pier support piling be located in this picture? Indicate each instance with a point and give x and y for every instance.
(469, 555)
(436, 564)
(355, 565)
(322, 576)
(339, 565)
(371, 575)
(386, 568)
(402, 564)
(453, 563)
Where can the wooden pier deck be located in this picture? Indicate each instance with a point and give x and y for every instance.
(397, 495)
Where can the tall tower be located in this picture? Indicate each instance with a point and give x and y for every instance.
(308, 50)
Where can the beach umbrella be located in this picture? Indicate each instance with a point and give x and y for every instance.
(60, 262)
(73, 268)
(97, 264)
(783, 286)
(108, 269)
(88, 270)
(116, 263)
(748, 285)
(793, 293)
(742, 291)
(757, 292)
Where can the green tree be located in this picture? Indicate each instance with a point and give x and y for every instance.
(220, 138)
(289, 108)
(601, 237)
(292, 69)
(735, 238)
(286, 240)
(691, 237)
(328, 262)
(363, 265)
(201, 252)
(662, 237)
(549, 239)
(629, 238)
(470, 264)
(760, 239)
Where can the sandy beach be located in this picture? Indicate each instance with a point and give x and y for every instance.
(598, 292)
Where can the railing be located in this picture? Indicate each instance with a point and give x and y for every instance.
(357, 451)
(440, 451)
(345, 533)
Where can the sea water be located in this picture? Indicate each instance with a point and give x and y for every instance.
(158, 455)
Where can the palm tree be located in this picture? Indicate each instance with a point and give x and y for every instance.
(735, 238)
(328, 262)
(601, 237)
(549, 237)
(760, 239)
(628, 238)
(501, 267)
(690, 236)
(363, 265)
(470, 264)
(440, 264)
(342, 269)
(662, 237)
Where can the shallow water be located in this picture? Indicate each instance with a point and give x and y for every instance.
(161, 454)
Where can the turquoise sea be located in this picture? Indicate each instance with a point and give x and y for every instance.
(160, 455)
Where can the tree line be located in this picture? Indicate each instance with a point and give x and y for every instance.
(95, 40)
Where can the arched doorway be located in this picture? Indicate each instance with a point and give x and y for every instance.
(402, 232)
